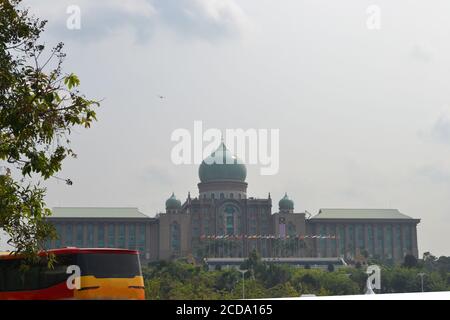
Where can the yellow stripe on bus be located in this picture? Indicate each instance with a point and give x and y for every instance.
(111, 288)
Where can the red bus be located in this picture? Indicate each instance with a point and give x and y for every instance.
(103, 274)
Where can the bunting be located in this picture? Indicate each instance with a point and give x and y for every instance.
(255, 236)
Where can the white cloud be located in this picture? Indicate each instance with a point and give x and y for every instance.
(440, 130)
(435, 174)
(56, 11)
(207, 19)
(422, 52)
(221, 15)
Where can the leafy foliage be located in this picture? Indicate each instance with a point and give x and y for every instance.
(39, 106)
(410, 261)
(182, 280)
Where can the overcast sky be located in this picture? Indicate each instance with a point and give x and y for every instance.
(363, 114)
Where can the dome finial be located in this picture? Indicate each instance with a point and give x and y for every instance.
(222, 165)
(173, 202)
(286, 204)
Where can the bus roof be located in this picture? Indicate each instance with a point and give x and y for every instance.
(71, 250)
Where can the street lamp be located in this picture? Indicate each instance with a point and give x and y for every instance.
(421, 275)
(243, 271)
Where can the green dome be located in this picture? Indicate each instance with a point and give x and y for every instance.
(286, 203)
(222, 165)
(173, 202)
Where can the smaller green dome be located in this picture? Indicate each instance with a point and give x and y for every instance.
(285, 203)
(173, 202)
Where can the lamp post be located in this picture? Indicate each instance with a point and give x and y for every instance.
(243, 282)
(421, 275)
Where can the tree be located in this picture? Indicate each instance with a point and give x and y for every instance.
(254, 264)
(443, 264)
(410, 261)
(398, 279)
(227, 280)
(282, 290)
(39, 106)
(180, 280)
(274, 274)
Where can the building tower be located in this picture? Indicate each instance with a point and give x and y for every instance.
(173, 205)
(286, 205)
(222, 176)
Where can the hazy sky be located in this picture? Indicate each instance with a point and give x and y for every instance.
(363, 114)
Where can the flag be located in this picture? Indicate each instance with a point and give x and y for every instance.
(282, 230)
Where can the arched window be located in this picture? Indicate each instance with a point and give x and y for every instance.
(291, 229)
(79, 235)
(131, 236)
(100, 235)
(58, 228)
(69, 235)
(90, 235)
(322, 242)
(408, 241)
(111, 236)
(121, 239)
(222, 196)
(175, 237)
(231, 196)
(212, 195)
(398, 241)
(230, 219)
(370, 240)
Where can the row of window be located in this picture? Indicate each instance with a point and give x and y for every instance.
(100, 235)
(222, 196)
(380, 240)
(232, 225)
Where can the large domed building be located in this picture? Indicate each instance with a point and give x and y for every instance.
(223, 222)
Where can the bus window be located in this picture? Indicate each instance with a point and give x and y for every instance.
(17, 278)
(13, 277)
(58, 273)
(38, 281)
(107, 265)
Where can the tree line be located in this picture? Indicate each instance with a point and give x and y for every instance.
(182, 279)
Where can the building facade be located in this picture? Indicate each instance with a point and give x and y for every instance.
(223, 222)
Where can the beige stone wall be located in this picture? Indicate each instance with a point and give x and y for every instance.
(298, 219)
(165, 221)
